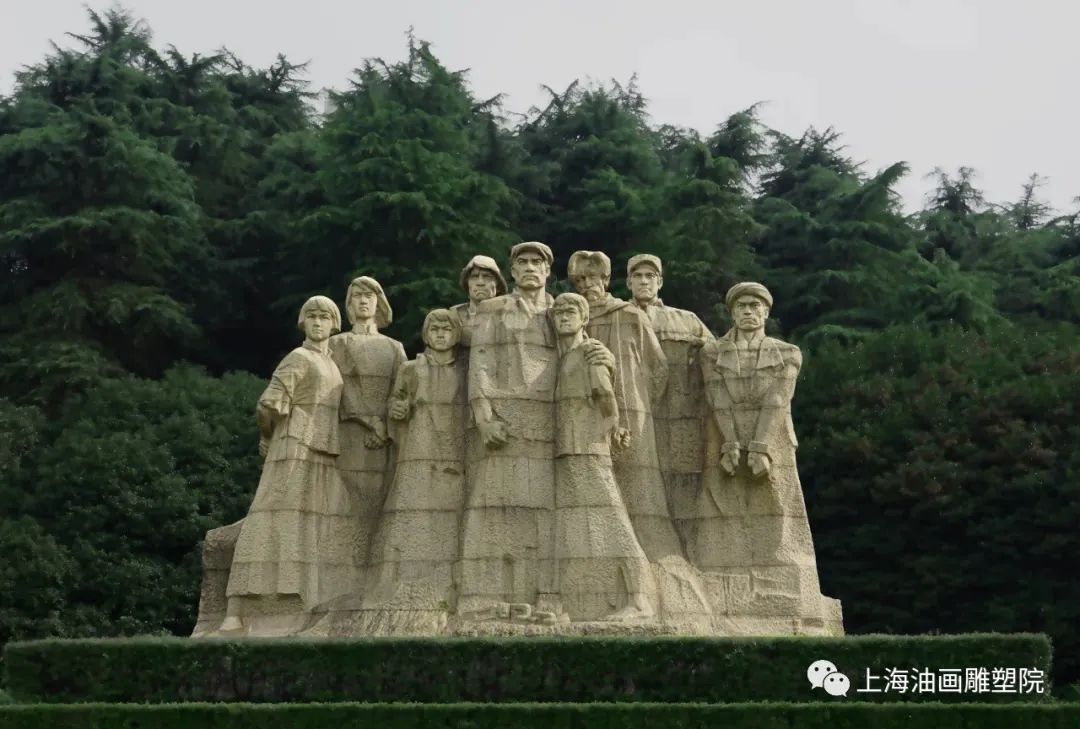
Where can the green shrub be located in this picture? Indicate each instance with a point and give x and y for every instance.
(449, 670)
(542, 716)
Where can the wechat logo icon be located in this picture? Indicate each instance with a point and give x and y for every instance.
(824, 675)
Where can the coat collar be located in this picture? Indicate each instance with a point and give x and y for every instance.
(727, 357)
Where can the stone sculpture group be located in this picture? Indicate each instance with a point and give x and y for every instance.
(569, 465)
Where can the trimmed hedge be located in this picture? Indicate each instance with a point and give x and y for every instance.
(451, 670)
(541, 716)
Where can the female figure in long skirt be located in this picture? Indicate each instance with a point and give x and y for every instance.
(292, 552)
(415, 550)
(368, 362)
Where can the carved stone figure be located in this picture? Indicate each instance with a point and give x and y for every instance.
(292, 550)
(507, 546)
(515, 487)
(368, 362)
(482, 280)
(680, 414)
(752, 516)
(640, 380)
(415, 550)
(603, 573)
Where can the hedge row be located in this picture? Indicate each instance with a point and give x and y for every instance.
(667, 670)
(541, 716)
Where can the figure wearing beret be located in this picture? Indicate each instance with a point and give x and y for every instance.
(679, 415)
(752, 518)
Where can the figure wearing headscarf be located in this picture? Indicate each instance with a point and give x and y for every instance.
(368, 362)
(293, 551)
(752, 517)
(481, 279)
(679, 415)
(415, 550)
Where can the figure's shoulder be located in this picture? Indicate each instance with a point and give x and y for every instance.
(298, 358)
(494, 305)
(392, 344)
(715, 346)
(634, 313)
(788, 351)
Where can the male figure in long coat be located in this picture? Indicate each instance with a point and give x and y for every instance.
(679, 415)
(640, 380)
(507, 541)
(752, 515)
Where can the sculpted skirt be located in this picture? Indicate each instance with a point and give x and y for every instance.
(297, 536)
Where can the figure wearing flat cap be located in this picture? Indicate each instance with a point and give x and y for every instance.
(507, 541)
(481, 279)
(752, 515)
(368, 362)
(640, 381)
(680, 415)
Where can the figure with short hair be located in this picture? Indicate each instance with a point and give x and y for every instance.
(680, 415)
(292, 552)
(603, 573)
(482, 280)
(640, 381)
(752, 517)
(368, 361)
(415, 549)
(507, 542)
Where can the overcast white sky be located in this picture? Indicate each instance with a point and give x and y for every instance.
(991, 84)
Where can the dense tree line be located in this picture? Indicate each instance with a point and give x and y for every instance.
(163, 215)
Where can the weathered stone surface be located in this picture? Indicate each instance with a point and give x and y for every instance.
(592, 467)
(680, 415)
(368, 362)
(415, 550)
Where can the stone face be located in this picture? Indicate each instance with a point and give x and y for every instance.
(580, 465)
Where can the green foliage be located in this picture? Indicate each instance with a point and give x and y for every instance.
(968, 441)
(438, 670)
(129, 480)
(158, 207)
(598, 173)
(541, 716)
(402, 201)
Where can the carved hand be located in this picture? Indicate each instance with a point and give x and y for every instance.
(620, 439)
(377, 437)
(264, 447)
(759, 464)
(729, 462)
(399, 410)
(493, 432)
(597, 354)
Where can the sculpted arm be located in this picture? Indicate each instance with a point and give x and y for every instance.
(404, 392)
(777, 400)
(482, 373)
(719, 401)
(657, 363)
(275, 403)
